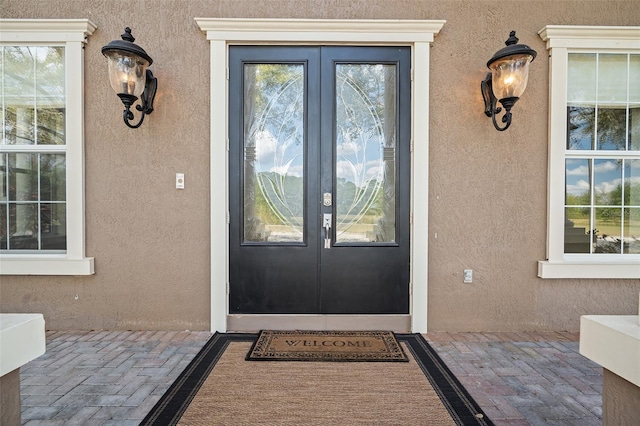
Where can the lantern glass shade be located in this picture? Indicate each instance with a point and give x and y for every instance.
(509, 75)
(127, 72)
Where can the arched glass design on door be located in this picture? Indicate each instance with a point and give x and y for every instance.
(364, 152)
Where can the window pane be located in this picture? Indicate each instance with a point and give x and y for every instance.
(23, 177)
(612, 128)
(52, 177)
(581, 83)
(608, 225)
(50, 72)
(577, 237)
(23, 226)
(632, 231)
(19, 123)
(274, 152)
(19, 71)
(365, 152)
(632, 183)
(50, 99)
(612, 78)
(51, 124)
(580, 127)
(634, 129)
(53, 226)
(3, 201)
(3, 177)
(3, 225)
(19, 93)
(608, 182)
(634, 78)
(578, 182)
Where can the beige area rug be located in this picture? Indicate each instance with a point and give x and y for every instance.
(326, 346)
(219, 387)
(238, 392)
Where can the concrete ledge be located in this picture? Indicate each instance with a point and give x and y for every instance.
(613, 341)
(22, 339)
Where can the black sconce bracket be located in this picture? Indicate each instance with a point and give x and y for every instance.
(491, 109)
(146, 99)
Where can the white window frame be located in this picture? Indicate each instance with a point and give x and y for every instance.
(72, 34)
(562, 40)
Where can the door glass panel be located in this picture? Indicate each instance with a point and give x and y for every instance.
(365, 160)
(274, 114)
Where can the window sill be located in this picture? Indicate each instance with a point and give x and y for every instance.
(589, 269)
(46, 265)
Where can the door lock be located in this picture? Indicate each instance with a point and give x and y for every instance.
(326, 199)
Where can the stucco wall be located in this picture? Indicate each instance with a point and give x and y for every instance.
(487, 204)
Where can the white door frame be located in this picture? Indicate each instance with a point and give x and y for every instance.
(221, 33)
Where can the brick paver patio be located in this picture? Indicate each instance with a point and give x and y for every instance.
(103, 378)
(115, 378)
(525, 378)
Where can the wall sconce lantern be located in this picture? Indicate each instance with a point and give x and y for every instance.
(507, 80)
(129, 76)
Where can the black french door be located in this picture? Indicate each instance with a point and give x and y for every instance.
(319, 179)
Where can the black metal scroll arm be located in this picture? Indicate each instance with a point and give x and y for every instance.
(490, 104)
(146, 101)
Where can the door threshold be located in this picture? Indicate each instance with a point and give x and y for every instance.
(251, 323)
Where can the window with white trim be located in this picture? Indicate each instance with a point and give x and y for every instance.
(593, 222)
(41, 147)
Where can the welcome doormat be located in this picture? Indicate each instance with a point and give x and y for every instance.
(175, 405)
(326, 346)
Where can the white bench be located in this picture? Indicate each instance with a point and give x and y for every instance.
(22, 339)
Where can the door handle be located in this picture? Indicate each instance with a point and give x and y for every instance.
(326, 224)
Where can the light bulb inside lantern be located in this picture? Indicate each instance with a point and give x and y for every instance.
(127, 73)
